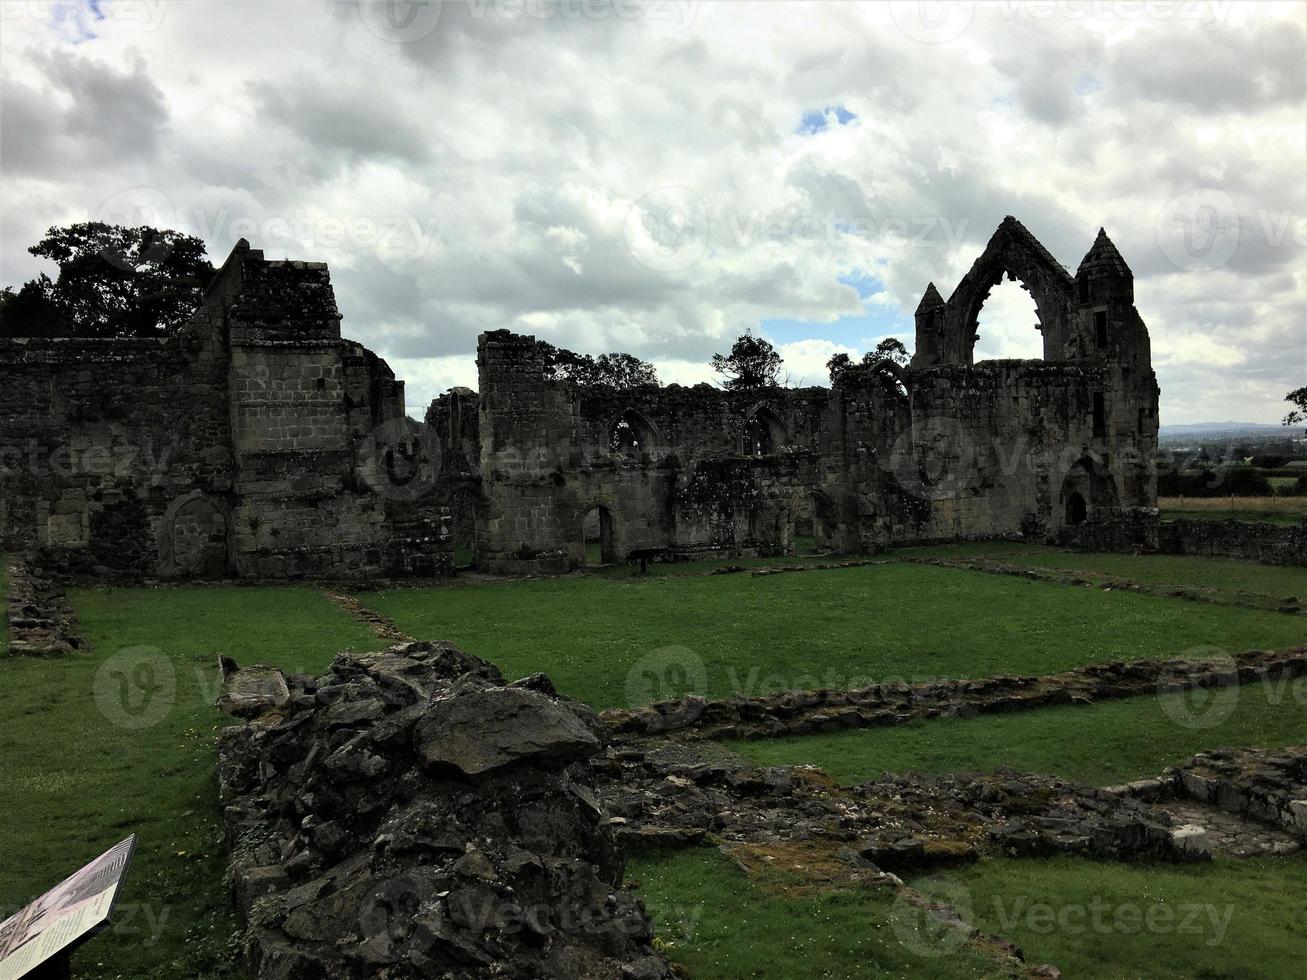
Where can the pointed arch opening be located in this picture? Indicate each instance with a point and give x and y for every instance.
(764, 432)
(631, 434)
(1007, 322)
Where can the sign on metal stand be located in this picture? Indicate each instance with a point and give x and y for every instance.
(35, 943)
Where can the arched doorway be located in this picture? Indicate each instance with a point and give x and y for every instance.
(193, 538)
(1088, 493)
(597, 536)
(815, 528)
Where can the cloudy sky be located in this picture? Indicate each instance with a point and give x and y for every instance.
(658, 176)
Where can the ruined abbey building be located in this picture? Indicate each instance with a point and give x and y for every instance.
(944, 449)
(257, 443)
(239, 446)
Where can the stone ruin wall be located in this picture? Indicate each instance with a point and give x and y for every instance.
(249, 444)
(946, 449)
(231, 448)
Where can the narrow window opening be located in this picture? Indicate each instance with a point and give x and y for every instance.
(1100, 415)
(1100, 328)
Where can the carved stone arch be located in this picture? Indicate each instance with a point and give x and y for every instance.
(1088, 493)
(195, 537)
(632, 433)
(895, 368)
(763, 432)
(1012, 251)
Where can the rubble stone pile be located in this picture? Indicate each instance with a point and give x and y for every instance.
(411, 814)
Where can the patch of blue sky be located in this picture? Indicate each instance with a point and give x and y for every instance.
(816, 120)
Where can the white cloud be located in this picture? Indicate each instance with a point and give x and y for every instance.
(483, 172)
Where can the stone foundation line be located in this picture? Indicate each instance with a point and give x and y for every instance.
(383, 627)
(808, 712)
(1288, 604)
(41, 623)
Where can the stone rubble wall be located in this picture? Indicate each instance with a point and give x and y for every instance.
(1268, 786)
(1274, 544)
(807, 712)
(411, 814)
(39, 618)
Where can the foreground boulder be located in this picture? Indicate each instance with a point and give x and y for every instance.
(410, 814)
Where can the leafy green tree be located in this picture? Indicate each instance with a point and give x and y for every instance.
(752, 364)
(1298, 399)
(113, 281)
(617, 370)
(889, 349)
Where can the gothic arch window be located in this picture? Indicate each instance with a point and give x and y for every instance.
(764, 433)
(630, 434)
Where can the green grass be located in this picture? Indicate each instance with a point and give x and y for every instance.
(1217, 921)
(118, 741)
(1220, 578)
(1285, 517)
(611, 642)
(1109, 742)
(721, 925)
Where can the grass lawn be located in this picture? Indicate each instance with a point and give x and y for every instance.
(1109, 742)
(721, 925)
(1092, 919)
(1275, 509)
(1241, 920)
(613, 642)
(1220, 578)
(121, 740)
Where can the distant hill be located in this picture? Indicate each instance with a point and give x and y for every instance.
(1227, 429)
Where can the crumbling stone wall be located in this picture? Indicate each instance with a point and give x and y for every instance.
(236, 447)
(946, 449)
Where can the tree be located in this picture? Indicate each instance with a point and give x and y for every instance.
(617, 370)
(113, 282)
(751, 365)
(889, 349)
(1298, 399)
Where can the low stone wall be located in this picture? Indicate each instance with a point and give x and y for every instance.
(40, 620)
(1274, 544)
(1265, 785)
(410, 815)
(806, 712)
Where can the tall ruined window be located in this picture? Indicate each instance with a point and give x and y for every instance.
(763, 433)
(1008, 323)
(630, 435)
(1100, 328)
(1100, 415)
